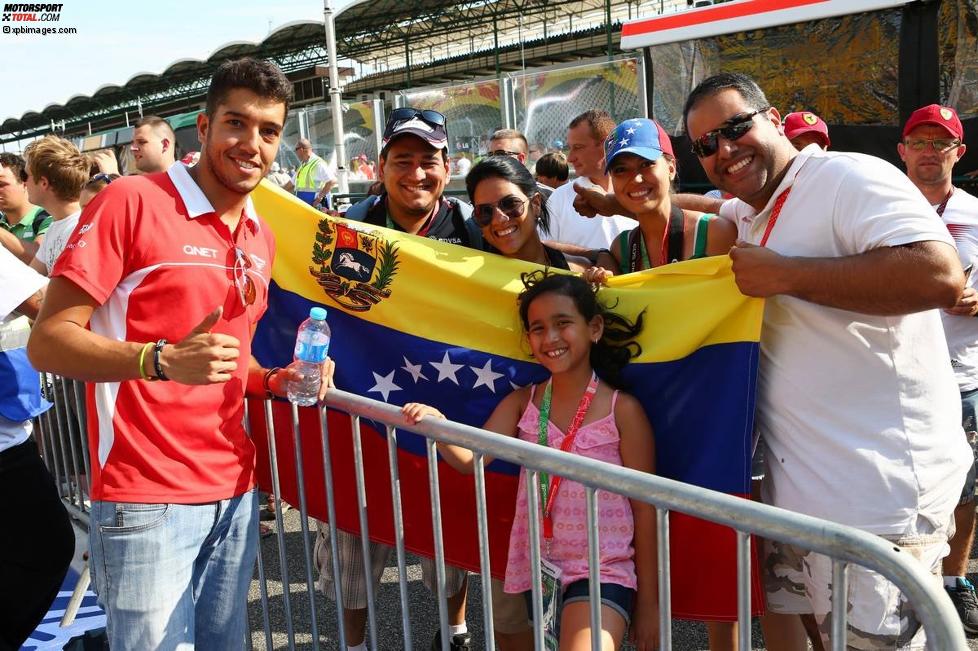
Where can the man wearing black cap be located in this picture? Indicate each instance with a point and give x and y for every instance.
(414, 170)
(933, 141)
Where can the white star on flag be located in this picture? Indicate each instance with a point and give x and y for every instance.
(630, 130)
(485, 376)
(623, 141)
(414, 370)
(384, 385)
(446, 370)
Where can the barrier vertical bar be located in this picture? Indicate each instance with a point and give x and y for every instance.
(743, 590)
(439, 543)
(61, 440)
(665, 586)
(478, 462)
(304, 524)
(81, 410)
(840, 604)
(279, 524)
(594, 567)
(379, 122)
(47, 432)
(364, 531)
(331, 514)
(536, 578)
(399, 534)
(262, 585)
(72, 448)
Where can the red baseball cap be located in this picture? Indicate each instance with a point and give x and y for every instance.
(938, 115)
(801, 122)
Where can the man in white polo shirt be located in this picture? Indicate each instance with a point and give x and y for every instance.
(933, 141)
(585, 138)
(857, 404)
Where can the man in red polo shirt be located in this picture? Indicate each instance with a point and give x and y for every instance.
(154, 302)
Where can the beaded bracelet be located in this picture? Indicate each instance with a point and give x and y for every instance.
(267, 378)
(160, 375)
(142, 363)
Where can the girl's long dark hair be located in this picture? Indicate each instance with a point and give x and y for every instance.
(617, 345)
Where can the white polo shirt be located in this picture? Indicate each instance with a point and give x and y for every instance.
(961, 218)
(860, 414)
(569, 226)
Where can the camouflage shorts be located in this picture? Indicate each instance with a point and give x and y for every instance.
(353, 571)
(799, 581)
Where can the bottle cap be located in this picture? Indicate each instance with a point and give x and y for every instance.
(318, 313)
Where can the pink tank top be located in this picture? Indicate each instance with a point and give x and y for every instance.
(568, 549)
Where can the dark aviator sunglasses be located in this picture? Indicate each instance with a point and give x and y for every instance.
(735, 128)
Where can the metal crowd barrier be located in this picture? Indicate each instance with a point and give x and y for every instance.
(65, 453)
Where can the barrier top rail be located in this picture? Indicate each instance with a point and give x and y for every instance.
(932, 606)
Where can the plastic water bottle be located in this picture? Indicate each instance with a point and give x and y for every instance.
(311, 348)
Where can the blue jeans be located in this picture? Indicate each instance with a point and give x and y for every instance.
(175, 576)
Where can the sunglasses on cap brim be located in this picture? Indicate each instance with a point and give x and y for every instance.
(406, 113)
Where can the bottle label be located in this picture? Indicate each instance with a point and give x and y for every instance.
(312, 347)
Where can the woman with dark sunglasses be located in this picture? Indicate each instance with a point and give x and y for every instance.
(509, 208)
(642, 166)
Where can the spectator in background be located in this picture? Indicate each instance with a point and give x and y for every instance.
(277, 176)
(57, 172)
(153, 145)
(552, 170)
(586, 137)
(22, 224)
(313, 180)
(804, 128)
(462, 166)
(933, 142)
(104, 162)
(512, 143)
(95, 185)
(37, 541)
(356, 170)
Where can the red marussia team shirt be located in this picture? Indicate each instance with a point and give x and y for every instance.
(157, 259)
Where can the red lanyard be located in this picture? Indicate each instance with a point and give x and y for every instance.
(548, 488)
(775, 213)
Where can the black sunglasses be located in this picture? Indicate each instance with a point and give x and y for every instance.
(735, 128)
(108, 178)
(504, 152)
(511, 206)
(403, 114)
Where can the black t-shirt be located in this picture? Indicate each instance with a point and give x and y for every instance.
(448, 224)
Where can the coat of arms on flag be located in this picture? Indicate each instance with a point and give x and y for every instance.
(355, 267)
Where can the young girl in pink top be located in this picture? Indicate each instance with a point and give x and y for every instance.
(584, 347)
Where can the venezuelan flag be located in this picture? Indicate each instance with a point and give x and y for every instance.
(417, 320)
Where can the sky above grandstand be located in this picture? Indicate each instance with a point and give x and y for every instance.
(116, 40)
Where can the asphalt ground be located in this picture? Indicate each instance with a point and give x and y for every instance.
(687, 636)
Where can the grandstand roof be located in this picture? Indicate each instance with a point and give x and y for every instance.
(383, 35)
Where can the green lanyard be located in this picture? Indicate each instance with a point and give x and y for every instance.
(548, 490)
